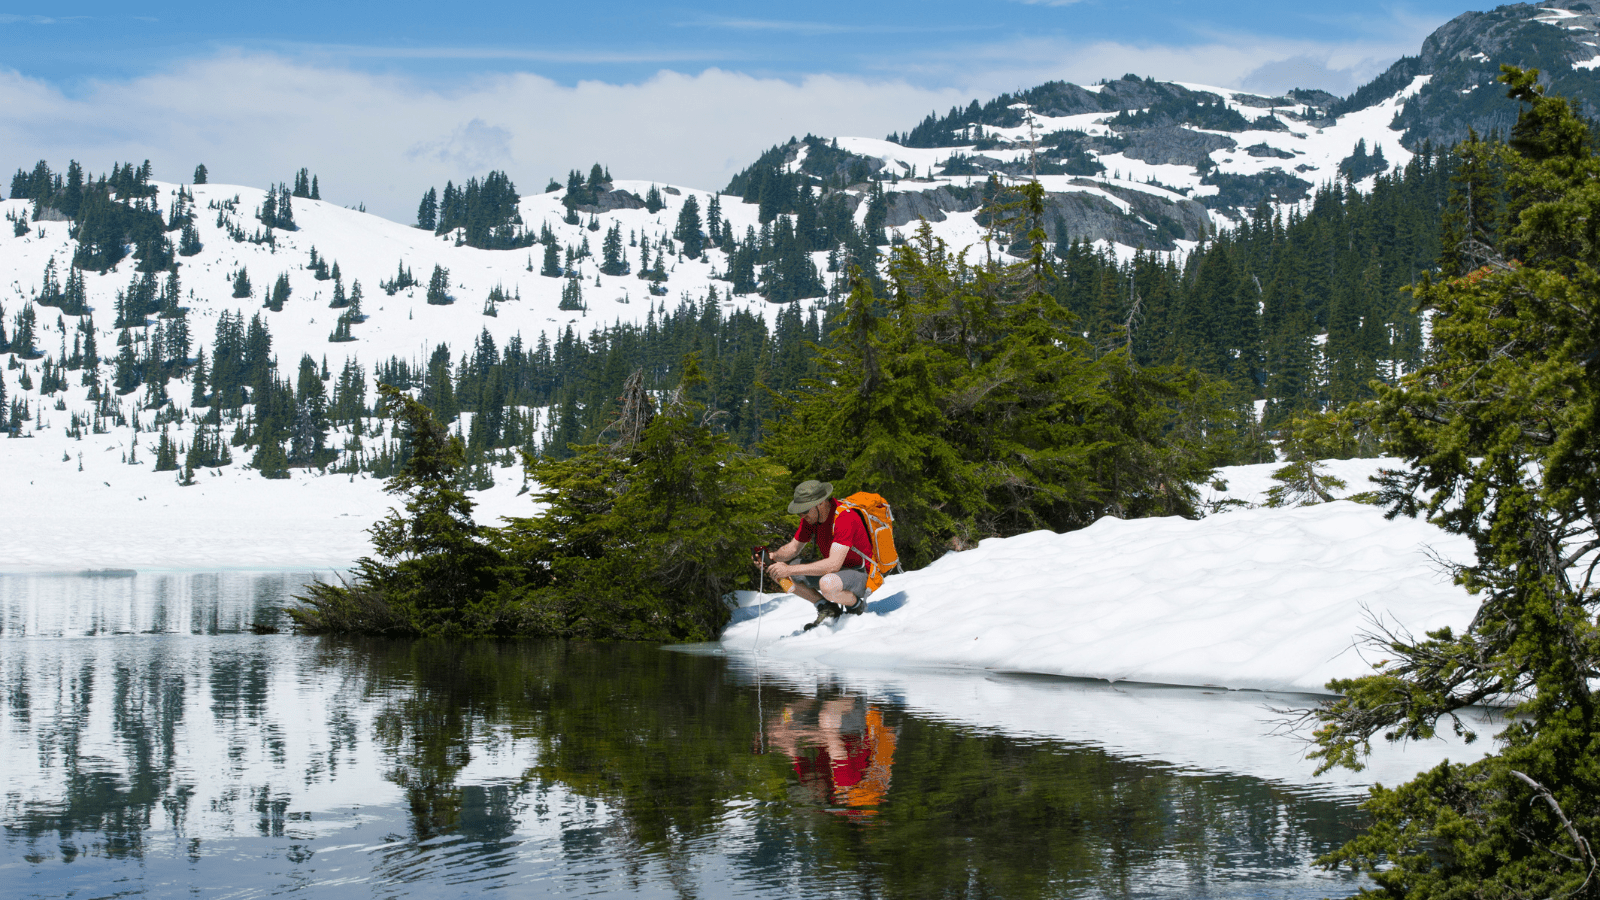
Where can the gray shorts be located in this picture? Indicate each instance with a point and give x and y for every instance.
(855, 581)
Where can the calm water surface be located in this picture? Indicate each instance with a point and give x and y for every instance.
(151, 746)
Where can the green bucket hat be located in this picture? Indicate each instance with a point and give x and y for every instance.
(809, 494)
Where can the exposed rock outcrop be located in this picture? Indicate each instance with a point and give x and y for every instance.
(1174, 146)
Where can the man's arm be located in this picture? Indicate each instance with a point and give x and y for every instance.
(786, 552)
(833, 563)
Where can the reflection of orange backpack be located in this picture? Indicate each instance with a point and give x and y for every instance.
(879, 519)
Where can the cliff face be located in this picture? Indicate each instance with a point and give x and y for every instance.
(1560, 38)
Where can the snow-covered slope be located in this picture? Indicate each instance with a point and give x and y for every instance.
(1270, 599)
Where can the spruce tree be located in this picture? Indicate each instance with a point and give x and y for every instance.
(199, 174)
(439, 287)
(688, 230)
(428, 211)
(552, 265)
(241, 284)
(1496, 429)
(613, 260)
(280, 293)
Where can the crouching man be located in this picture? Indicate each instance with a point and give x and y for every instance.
(838, 581)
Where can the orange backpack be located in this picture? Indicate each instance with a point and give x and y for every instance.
(879, 519)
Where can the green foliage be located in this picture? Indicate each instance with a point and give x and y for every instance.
(434, 573)
(1500, 428)
(971, 400)
(640, 539)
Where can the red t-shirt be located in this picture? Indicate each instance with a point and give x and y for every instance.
(844, 527)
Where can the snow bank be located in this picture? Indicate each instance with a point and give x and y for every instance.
(1268, 599)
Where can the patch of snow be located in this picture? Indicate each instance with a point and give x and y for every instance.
(1268, 599)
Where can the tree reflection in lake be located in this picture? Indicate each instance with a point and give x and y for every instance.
(362, 768)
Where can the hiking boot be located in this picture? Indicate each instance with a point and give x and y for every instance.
(858, 609)
(827, 611)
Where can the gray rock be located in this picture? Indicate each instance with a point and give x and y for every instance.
(1174, 146)
(1262, 151)
(1153, 222)
(612, 200)
(906, 207)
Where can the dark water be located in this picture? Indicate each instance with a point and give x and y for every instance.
(151, 746)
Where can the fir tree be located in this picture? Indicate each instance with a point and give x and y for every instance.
(428, 210)
(613, 260)
(552, 266)
(439, 287)
(241, 284)
(199, 174)
(189, 241)
(688, 231)
(1496, 430)
(280, 293)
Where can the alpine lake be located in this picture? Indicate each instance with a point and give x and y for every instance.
(152, 745)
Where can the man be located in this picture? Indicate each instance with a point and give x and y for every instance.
(838, 581)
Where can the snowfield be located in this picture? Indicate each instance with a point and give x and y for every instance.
(1266, 599)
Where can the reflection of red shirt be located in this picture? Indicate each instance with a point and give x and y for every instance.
(844, 527)
(860, 781)
(836, 773)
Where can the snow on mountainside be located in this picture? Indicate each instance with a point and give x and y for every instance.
(1126, 163)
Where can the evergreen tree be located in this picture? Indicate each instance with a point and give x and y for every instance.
(572, 294)
(613, 260)
(551, 267)
(198, 377)
(241, 284)
(189, 241)
(688, 231)
(428, 210)
(24, 334)
(1496, 429)
(280, 292)
(434, 573)
(439, 287)
(199, 174)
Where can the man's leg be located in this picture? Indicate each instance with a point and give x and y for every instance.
(833, 590)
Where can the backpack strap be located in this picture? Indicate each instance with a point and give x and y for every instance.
(866, 524)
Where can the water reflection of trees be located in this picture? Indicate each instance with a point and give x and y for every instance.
(667, 742)
(664, 749)
(107, 806)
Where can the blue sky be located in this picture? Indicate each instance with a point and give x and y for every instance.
(674, 92)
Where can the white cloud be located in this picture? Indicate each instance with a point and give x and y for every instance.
(383, 140)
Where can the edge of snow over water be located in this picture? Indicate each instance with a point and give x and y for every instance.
(1266, 599)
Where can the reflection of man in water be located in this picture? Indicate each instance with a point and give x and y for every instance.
(844, 759)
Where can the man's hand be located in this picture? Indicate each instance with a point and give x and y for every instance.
(779, 570)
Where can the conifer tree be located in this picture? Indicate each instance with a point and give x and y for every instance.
(1497, 429)
(189, 241)
(552, 266)
(241, 284)
(428, 211)
(200, 174)
(439, 287)
(280, 293)
(572, 294)
(198, 375)
(613, 260)
(688, 231)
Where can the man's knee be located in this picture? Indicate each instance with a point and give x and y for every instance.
(830, 584)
